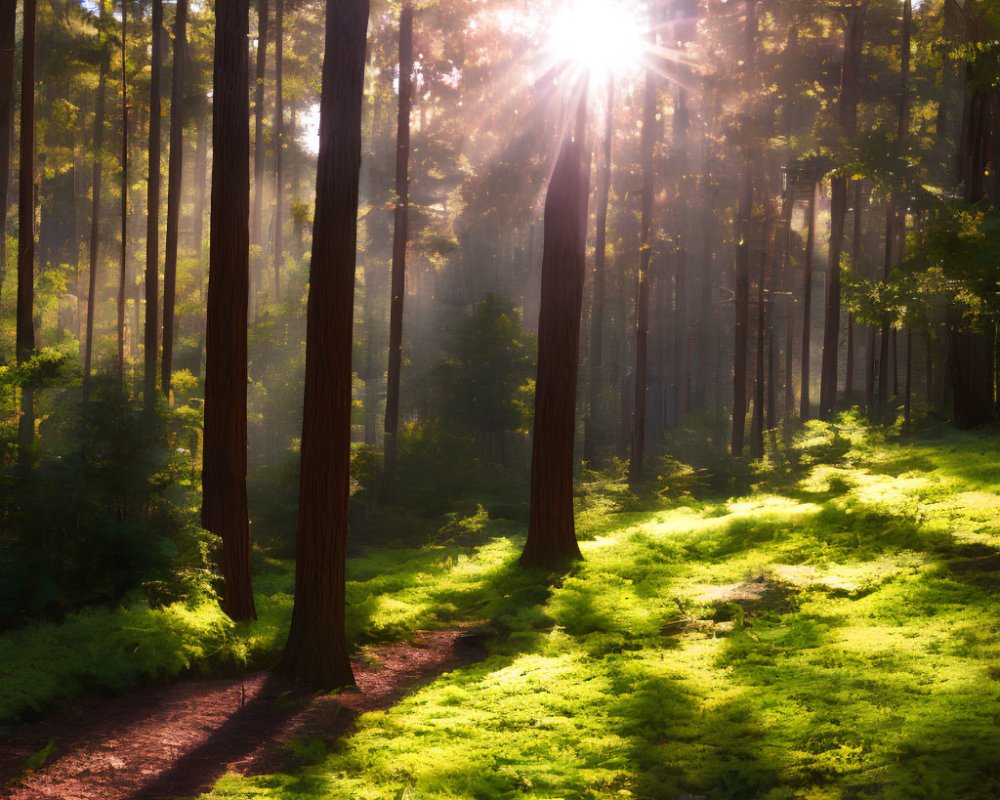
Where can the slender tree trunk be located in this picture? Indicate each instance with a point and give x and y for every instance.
(908, 392)
(224, 471)
(7, 24)
(741, 279)
(279, 140)
(592, 425)
(787, 207)
(637, 453)
(681, 380)
(741, 261)
(757, 418)
(256, 219)
(551, 542)
(856, 257)
(847, 104)
(124, 243)
(25, 332)
(316, 652)
(399, 237)
(807, 278)
(174, 193)
(153, 210)
(95, 215)
(200, 174)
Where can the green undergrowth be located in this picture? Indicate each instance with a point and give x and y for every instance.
(832, 634)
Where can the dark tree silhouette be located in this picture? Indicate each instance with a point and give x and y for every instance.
(807, 282)
(399, 236)
(224, 471)
(642, 296)
(173, 193)
(847, 108)
(152, 332)
(95, 207)
(316, 652)
(7, 14)
(256, 219)
(551, 532)
(592, 426)
(124, 210)
(279, 136)
(25, 332)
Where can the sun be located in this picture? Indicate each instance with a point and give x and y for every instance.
(601, 36)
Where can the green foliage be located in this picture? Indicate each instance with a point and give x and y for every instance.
(104, 511)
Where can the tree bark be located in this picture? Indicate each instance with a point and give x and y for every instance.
(279, 139)
(399, 237)
(7, 24)
(95, 213)
(592, 424)
(224, 471)
(847, 104)
(25, 331)
(551, 542)
(124, 211)
(316, 652)
(153, 212)
(807, 278)
(637, 452)
(174, 193)
(256, 219)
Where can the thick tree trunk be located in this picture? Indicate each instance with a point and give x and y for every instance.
(551, 540)
(95, 217)
(399, 237)
(25, 332)
(174, 193)
(152, 332)
(316, 652)
(807, 278)
(638, 447)
(279, 140)
(7, 24)
(224, 471)
(592, 425)
(847, 103)
(257, 215)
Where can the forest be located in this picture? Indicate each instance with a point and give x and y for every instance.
(500, 398)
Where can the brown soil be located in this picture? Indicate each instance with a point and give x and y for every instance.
(178, 740)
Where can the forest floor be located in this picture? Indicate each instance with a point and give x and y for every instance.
(176, 741)
(818, 625)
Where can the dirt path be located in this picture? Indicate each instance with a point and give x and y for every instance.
(178, 740)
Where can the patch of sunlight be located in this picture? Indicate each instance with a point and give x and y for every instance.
(770, 502)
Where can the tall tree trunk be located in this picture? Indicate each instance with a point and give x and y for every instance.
(224, 472)
(25, 332)
(95, 213)
(279, 140)
(787, 207)
(856, 258)
(807, 279)
(592, 424)
(153, 211)
(200, 175)
(174, 193)
(847, 104)
(316, 652)
(741, 278)
(681, 380)
(741, 260)
(124, 243)
(256, 218)
(637, 453)
(757, 418)
(551, 542)
(399, 237)
(7, 24)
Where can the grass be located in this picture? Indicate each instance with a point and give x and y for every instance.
(848, 643)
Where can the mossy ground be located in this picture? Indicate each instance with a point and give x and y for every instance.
(863, 661)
